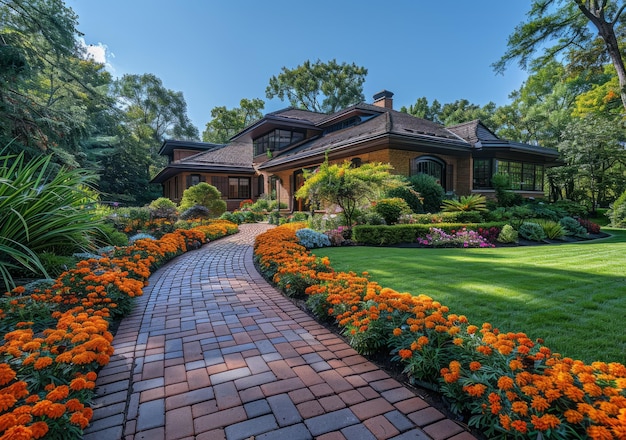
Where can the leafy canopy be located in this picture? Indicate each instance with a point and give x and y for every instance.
(205, 195)
(226, 123)
(346, 186)
(319, 87)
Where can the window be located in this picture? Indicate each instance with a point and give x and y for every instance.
(431, 166)
(260, 185)
(482, 173)
(523, 176)
(194, 179)
(276, 140)
(238, 187)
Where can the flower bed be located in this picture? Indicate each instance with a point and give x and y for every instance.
(505, 384)
(57, 338)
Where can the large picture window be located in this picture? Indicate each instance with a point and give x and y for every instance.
(238, 187)
(523, 176)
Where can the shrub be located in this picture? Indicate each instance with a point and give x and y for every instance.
(370, 218)
(501, 184)
(163, 208)
(617, 212)
(489, 233)
(473, 202)
(205, 195)
(571, 208)
(573, 227)
(235, 217)
(429, 190)
(410, 196)
(508, 235)
(312, 239)
(140, 236)
(552, 229)
(531, 231)
(391, 209)
(197, 211)
(591, 227)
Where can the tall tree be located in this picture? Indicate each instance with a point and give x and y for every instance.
(226, 123)
(453, 113)
(319, 87)
(422, 109)
(581, 30)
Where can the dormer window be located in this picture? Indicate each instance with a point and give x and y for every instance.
(276, 140)
(346, 123)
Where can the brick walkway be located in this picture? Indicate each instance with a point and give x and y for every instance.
(212, 351)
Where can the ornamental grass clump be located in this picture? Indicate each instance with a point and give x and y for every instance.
(463, 238)
(505, 385)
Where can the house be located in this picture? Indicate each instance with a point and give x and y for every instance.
(269, 156)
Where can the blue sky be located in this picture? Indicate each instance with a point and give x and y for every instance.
(218, 52)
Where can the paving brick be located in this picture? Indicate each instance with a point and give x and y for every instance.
(257, 408)
(411, 405)
(189, 398)
(442, 429)
(219, 419)
(336, 382)
(332, 403)
(381, 427)
(399, 420)
(333, 421)
(310, 409)
(358, 432)
(294, 432)
(301, 395)
(151, 434)
(425, 416)
(151, 415)
(179, 423)
(413, 434)
(251, 427)
(308, 375)
(281, 386)
(371, 408)
(198, 378)
(284, 410)
(397, 394)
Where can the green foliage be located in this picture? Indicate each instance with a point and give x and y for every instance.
(205, 195)
(508, 234)
(163, 208)
(501, 184)
(195, 212)
(617, 212)
(319, 87)
(370, 217)
(346, 186)
(391, 209)
(552, 229)
(42, 210)
(429, 190)
(410, 196)
(531, 231)
(225, 123)
(473, 202)
(571, 226)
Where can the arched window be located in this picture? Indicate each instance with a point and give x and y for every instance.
(430, 165)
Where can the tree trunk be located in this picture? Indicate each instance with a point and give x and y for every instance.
(606, 31)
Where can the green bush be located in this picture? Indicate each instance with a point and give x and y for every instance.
(573, 227)
(472, 202)
(205, 195)
(196, 211)
(163, 208)
(531, 231)
(383, 235)
(617, 212)
(391, 209)
(505, 197)
(508, 235)
(429, 190)
(552, 229)
(410, 196)
(43, 209)
(311, 239)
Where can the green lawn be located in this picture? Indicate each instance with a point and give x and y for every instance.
(571, 295)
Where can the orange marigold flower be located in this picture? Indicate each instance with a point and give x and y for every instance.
(505, 383)
(405, 354)
(573, 416)
(55, 410)
(39, 429)
(42, 363)
(520, 408)
(519, 426)
(6, 374)
(475, 390)
(397, 331)
(79, 419)
(18, 432)
(545, 422)
(599, 433)
(59, 393)
(539, 403)
(475, 366)
(6, 401)
(505, 421)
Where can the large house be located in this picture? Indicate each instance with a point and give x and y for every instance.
(269, 156)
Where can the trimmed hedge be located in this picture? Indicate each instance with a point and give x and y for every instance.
(383, 235)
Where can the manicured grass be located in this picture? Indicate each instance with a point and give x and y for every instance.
(571, 295)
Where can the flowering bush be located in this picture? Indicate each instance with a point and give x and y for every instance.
(510, 386)
(591, 227)
(48, 366)
(463, 238)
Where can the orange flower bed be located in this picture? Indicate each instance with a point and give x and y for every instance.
(506, 384)
(47, 375)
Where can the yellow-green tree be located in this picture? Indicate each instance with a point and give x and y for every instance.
(347, 186)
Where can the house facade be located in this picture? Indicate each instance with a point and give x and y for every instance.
(270, 156)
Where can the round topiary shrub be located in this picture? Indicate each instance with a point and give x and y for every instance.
(391, 209)
(410, 196)
(162, 208)
(197, 211)
(532, 231)
(617, 213)
(429, 190)
(573, 227)
(205, 195)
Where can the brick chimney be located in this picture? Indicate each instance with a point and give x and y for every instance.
(384, 99)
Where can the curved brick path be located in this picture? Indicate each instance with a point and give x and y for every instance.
(212, 351)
